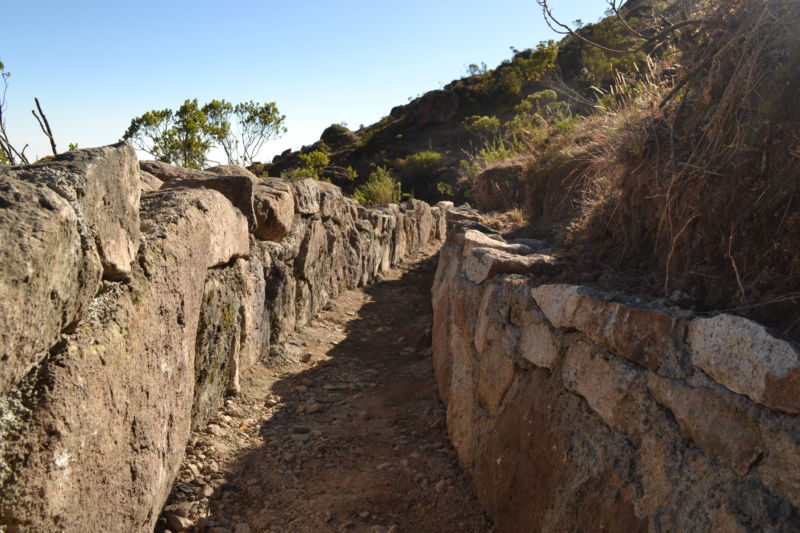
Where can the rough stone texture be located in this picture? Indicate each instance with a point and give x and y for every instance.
(102, 185)
(238, 189)
(102, 423)
(47, 276)
(148, 182)
(231, 170)
(644, 336)
(165, 171)
(744, 357)
(422, 213)
(306, 196)
(273, 201)
(577, 410)
(108, 378)
(486, 263)
(218, 344)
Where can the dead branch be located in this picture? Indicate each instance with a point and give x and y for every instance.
(551, 22)
(661, 34)
(42, 120)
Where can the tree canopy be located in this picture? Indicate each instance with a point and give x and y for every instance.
(186, 135)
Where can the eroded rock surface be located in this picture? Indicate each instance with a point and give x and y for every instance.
(102, 380)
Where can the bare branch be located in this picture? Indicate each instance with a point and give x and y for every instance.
(615, 9)
(566, 30)
(42, 119)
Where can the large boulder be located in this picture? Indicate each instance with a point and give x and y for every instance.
(102, 185)
(100, 428)
(237, 189)
(47, 274)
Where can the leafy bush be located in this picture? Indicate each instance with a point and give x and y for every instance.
(420, 167)
(525, 67)
(311, 166)
(612, 33)
(482, 127)
(381, 188)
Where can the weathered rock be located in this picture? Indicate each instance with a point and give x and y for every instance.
(475, 239)
(725, 429)
(231, 170)
(306, 196)
(148, 182)
(644, 336)
(165, 171)
(745, 358)
(102, 185)
(237, 189)
(47, 277)
(422, 213)
(255, 326)
(439, 231)
(591, 441)
(218, 344)
(606, 383)
(102, 424)
(273, 202)
(486, 263)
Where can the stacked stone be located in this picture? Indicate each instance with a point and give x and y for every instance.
(131, 299)
(580, 409)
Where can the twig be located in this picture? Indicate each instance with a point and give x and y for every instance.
(733, 263)
(41, 118)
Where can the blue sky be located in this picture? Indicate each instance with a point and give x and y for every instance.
(96, 65)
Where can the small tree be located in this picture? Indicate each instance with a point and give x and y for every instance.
(184, 137)
(253, 125)
(8, 154)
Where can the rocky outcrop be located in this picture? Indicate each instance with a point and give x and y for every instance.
(140, 316)
(578, 409)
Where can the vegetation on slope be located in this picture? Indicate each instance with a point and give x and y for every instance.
(659, 144)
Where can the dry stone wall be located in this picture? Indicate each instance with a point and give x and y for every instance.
(575, 409)
(132, 299)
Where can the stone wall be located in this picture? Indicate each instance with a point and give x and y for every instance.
(131, 300)
(575, 409)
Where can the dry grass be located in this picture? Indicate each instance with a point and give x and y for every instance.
(505, 222)
(700, 182)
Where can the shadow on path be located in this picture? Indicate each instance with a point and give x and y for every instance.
(348, 436)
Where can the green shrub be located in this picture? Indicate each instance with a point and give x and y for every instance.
(311, 166)
(421, 167)
(445, 189)
(381, 188)
(482, 127)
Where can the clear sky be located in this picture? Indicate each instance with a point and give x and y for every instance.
(95, 65)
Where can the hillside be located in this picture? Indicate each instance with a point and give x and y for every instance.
(659, 146)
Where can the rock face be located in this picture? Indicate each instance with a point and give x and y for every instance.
(575, 409)
(138, 320)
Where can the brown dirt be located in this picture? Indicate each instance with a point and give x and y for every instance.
(345, 433)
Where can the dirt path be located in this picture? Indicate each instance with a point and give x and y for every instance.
(345, 434)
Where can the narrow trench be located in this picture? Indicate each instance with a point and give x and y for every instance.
(346, 433)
